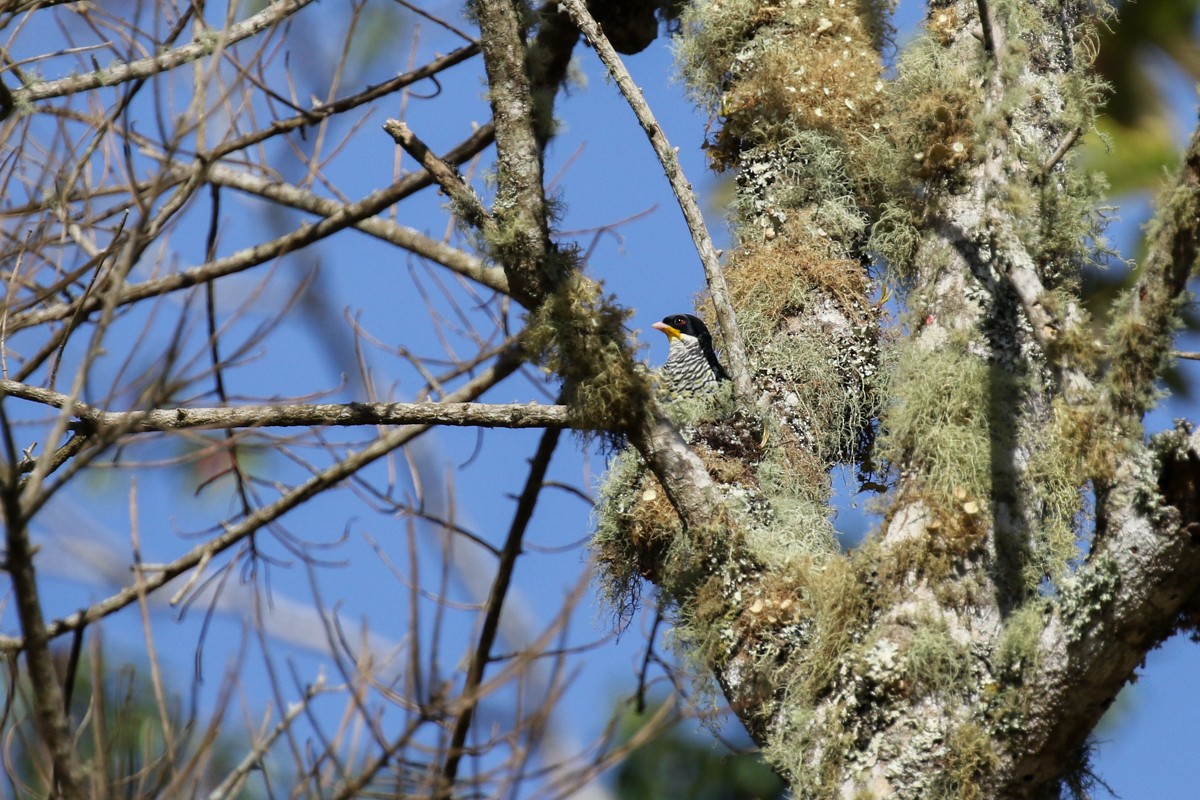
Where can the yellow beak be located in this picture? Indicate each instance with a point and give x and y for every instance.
(671, 333)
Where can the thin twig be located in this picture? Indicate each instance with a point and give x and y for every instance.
(985, 23)
(437, 20)
(240, 261)
(233, 781)
(270, 16)
(495, 604)
(1060, 151)
(649, 656)
(453, 258)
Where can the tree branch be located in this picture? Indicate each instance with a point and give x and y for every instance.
(505, 365)
(320, 111)
(467, 203)
(520, 205)
(344, 217)
(49, 705)
(1141, 334)
(1146, 566)
(452, 258)
(253, 760)
(272, 15)
(486, 415)
(495, 604)
(1123, 603)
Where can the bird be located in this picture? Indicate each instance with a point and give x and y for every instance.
(692, 367)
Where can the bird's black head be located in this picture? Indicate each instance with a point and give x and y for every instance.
(689, 325)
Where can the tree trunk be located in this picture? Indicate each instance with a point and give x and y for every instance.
(1034, 544)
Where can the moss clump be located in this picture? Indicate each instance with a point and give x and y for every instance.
(1017, 647)
(969, 760)
(800, 529)
(579, 335)
(934, 661)
(1007, 699)
(635, 523)
(1058, 472)
(769, 279)
(839, 602)
(937, 429)
(896, 237)
(639, 534)
(937, 107)
(771, 70)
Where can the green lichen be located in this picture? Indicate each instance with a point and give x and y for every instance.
(1086, 596)
(937, 429)
(579, 335)
(967, 763)
(934, 661)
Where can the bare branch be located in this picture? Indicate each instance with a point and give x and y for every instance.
(1059, 152)
(253, 759)
(487, 415)
(272, 15)
(49, 705)
(331, 476)
(452, 258)
(495, 604)
(344, 217)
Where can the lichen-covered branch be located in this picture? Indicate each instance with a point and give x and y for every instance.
(987, 440)
(1123, 603)
(468, 203)
(486, 415)
(1144, 568)
(521, 243)
(1142, 329)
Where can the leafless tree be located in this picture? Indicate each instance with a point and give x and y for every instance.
(903, 299)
